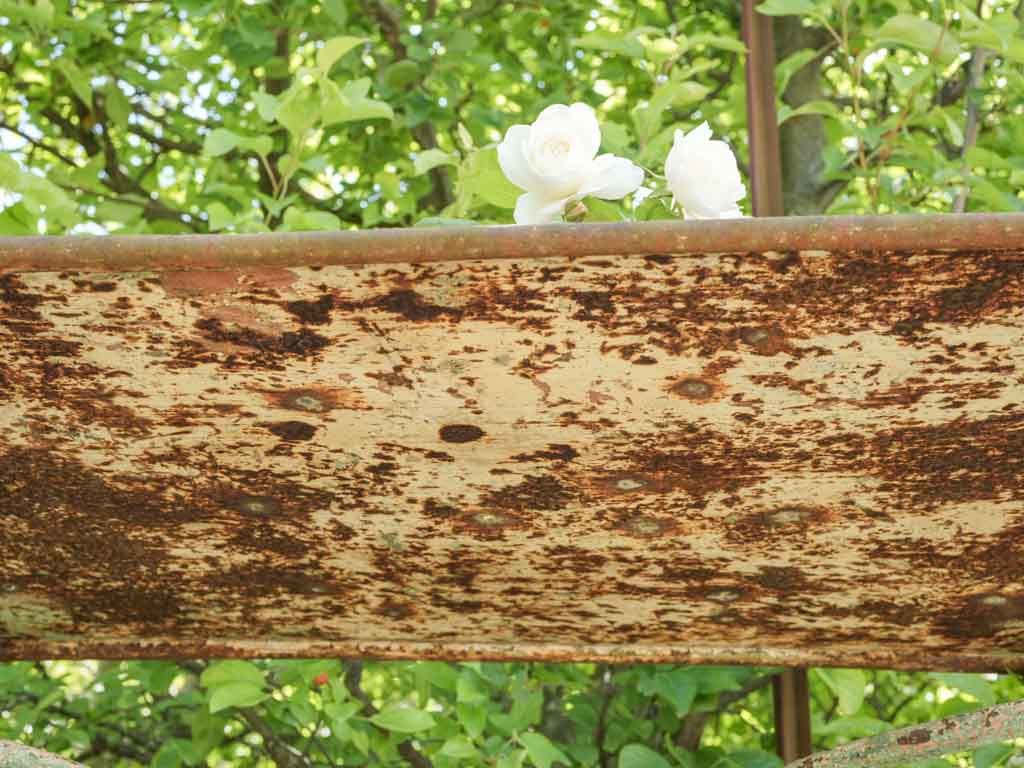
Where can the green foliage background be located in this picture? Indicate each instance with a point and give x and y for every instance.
(256, 115)
(300, 714)
(259, 115)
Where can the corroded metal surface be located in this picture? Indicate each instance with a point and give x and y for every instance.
(773, 458)
(993, 231)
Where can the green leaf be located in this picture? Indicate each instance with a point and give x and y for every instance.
(401, 74)
(906, 82)
(337, 10)
(541, 751)
(787, 8)
(78, 80)
(443, 675)
(611, 43)
(403, 720)
(219, 142)
(979, 157)
(847, 685)
(236, 695)
(512, 759)
(472, 718)
(297, 220)
(440, 221)
(462, 41)
(853, 726)
(432, 158)
(790, 65)
(482, 176)
(255, 34)
(350, 103)
(231, 671)
(671, 94)
(639, 756)
(267, 105)
(717, 41)
(261, 145)
(917, 33)
(992, 755)
(755, 758)
(117, 105)
(470, 688)
(676, 685)
(173, 753)
(973, 685)
(334, 49)
(458, 747)
(827, 108)
(299, 110)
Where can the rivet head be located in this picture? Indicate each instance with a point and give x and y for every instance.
(309, 403)
(490, 519)
(693, 388)
(644, 526)
(754, 335)
(786, 516)
(257, 505)
(629, 484)
(724, 595)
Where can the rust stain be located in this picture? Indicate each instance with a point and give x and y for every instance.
(620, 458)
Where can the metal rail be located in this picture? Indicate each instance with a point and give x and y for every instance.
(905, 233)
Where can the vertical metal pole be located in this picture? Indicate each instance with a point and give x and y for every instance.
(791, 695)
(762, 128)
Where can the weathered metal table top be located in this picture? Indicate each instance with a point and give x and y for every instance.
(767, 442)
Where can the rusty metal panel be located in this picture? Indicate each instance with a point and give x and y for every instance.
(793, 457)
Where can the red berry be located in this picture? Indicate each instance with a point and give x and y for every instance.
(320, 679)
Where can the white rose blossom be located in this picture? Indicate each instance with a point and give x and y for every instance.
(703, 176)
(555, 161)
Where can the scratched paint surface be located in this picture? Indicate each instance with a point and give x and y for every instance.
(762, 458)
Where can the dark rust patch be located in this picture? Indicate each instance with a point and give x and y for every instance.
(593, 301)
(394, 609)
(554, 452)
(95, 286)
(545, 493)
(460, 433)
(302, 342)
(292, 431)
(435, 509)
(314, 312)
(986, 458)
(410, 305)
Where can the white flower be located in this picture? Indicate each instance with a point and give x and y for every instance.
(555, 160)
(703, 176)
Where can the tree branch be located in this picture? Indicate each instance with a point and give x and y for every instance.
(353, 682)
(692, 727)
(284, 755)
(972, 124)
(922, 742)
(40, 145)
(425, 134)
(15, 755)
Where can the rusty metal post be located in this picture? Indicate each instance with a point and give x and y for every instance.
(791, 696)
(762, 127)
